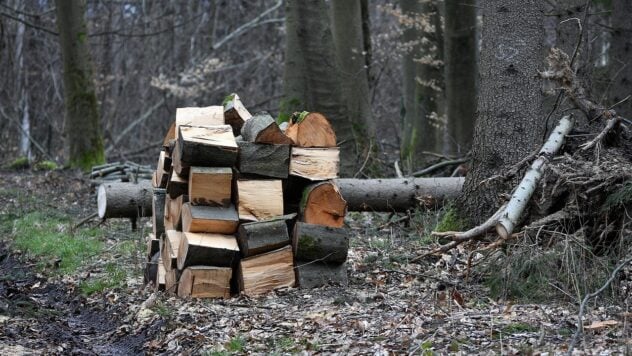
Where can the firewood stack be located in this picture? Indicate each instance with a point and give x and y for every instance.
(241, 206)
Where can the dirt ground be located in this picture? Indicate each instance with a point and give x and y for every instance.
(391, 306)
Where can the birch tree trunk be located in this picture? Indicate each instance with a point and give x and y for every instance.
(621, 57)
(509, 123)
(461, 73)
(311, 77)
(21, 90)
(82, 128)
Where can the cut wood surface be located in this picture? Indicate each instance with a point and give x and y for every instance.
(262, 128)
(266, 272)
(153, 246)
(213, 146)
(264, 236)
(124, 200)
(205, 282)
(179, 167)
(315, 163)
(320, 243)
(177, 185)
(171, 281)
(158, 212)
(162, 175)
(207, 249)
(397, 194)
(173, 207)
(170, 136)
(160, 276)
(199, 116)
(312, 130)
(169, 250)
(323, 204)
(235, 113)
(210, 186)
(259, 199)
(264, 159)
(216, 219)
(318, 274)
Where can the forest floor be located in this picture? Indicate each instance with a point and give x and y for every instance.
(68, 289)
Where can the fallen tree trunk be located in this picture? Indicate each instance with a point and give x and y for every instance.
(397, 194)
(125, 200)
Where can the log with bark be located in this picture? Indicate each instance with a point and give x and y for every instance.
(198, 116)
(312, 242)
(262, 128)
(177, 185)
(315, 163)
(205, 282)
(258, 237)
(311, 130)
(235, 113)
(210, 186)
(153, 246)
(124, 200)
(212, 146)
(207, 249)
(259, 199)
(263, 159)
(323, 204)
(266, 272)
(315, 274)
(216, 219)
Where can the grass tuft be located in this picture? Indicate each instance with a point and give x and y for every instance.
(19, 163)
(46, 166)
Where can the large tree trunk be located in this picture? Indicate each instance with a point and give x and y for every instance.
(349, 43)
(510, 123)
(621, 56)
(82, 128)
(311, 77)
(461, 73)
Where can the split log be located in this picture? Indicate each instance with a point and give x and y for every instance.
(153, 246)
(315, 163)
(207, 146)
(158, 209)
(264, 159)
(215, 219)
(311, 130)
(235, 113)
(151, 269)
(179, 167)
(173, 211)
(207, 249)
(172, 279)
(160, 276)
(205, 282)
(397, 194)
(169, 250)
(262, 128)
(170, 136)
(259, 237)
(177, 185)
(323, 204)
(124, 200)
(199, 116)
(162, 175)
(264, 273)
(259, 199)
(318, 274)
(210, 186)
(320, 243)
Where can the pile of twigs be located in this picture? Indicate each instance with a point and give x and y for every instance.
(121, 172)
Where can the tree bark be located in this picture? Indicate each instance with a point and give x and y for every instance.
(82, 127)
(461, 73)
(311, 74)
(621, 57)
(510, 123)
(125, 200)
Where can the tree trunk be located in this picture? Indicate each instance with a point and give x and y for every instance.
(349, 43)
(621, 57)
(510, 123)
(311, 77)
(461, 73)
(82, 127)
(22, 84)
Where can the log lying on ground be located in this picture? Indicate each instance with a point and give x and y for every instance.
(262, 128)
(124, 200)
(264, 159)
(323, 204)
(397, 194)
(158, 208)
(199, 116)
(235, 113)
(212, 146)
(317, 274)
(216, 219)
(259, 199)
(169, 250)
(259, 237)
(210, 186)
(311, 130)
(207, 249)
(263, 273)
(205, 282)
(315, 163)
(320, 243)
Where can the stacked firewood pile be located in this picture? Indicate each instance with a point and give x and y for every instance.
(242, 206)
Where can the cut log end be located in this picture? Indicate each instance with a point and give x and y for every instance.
(322, 204)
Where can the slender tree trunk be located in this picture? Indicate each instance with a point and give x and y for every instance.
(509, 122)
(366, 36)
(82, 127)
(621, 57)
(22, 80)
(311, 77)
(461, 73)
(349, 43)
